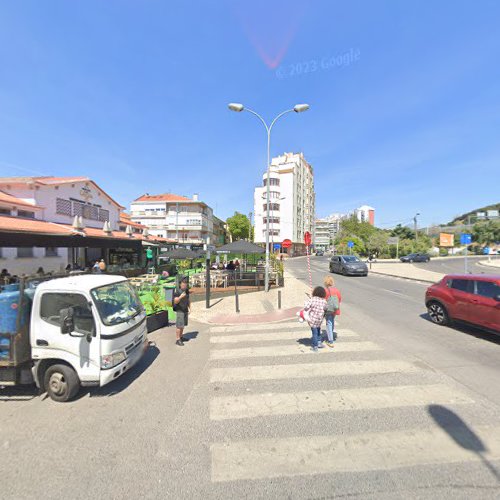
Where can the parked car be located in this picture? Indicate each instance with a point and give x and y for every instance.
(348, 265)
(415, 257)
(467, 298)
(320, 253)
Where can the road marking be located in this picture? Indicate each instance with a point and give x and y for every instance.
(293, 456)
(290, 350)
(264, 337)
(248, 328)
(310, 370)
(292, 403)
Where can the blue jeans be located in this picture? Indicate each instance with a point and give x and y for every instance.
(316, 335)
(330, 324)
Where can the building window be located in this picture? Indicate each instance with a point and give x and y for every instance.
(4, 211)
(63, 207)
(103, 215)
(272, 206)
(25, 252)
(272, 220)
(25, 213)
(272, 182)
(51, 252)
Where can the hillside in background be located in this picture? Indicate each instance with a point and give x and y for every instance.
(462, 219)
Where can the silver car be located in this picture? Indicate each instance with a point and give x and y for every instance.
(348, 265)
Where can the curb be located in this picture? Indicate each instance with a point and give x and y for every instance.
(404, 277)
(488, 265)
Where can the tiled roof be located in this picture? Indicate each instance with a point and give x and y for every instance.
(12, 200)
(53, 181)
(162, 197)
(19, 225)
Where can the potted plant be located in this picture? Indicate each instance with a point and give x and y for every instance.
(156, 310)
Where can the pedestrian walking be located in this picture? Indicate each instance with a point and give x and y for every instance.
(316, 308)
(182, 308)
(333, 300)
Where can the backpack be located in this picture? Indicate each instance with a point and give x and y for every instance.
(332, 303)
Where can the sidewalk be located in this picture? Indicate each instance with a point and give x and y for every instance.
(255, 307)
(408, 271)
(495, 263)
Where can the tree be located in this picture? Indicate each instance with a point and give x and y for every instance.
(403, 232)
(486, 232)
(359, 246)
(377, 244)
(239, 226)
(353, 227)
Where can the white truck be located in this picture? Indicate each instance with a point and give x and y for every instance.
(81, 330)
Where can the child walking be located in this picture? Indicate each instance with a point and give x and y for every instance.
(316, 307)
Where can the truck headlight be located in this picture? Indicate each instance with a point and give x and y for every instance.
(110, 360)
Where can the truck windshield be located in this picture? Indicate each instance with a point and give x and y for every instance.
(116, 303)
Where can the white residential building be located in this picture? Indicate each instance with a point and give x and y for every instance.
(365, 214)
(36, 225)
(322, 234)
(292, 202)
(185, 220)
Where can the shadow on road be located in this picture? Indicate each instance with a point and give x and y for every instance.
(462, 434)
(19, 393)
(468, 330)
(189, 336)
(128, 378)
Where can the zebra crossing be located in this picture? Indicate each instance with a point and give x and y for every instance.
(278, 355)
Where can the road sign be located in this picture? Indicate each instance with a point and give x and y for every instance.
(277, 246)
(286, 243)
(393, 240)
(465, 239)
(307, 238)
(350, 244)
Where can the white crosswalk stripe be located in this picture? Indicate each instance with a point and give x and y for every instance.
(310, 370)
(257, 458)
(268, 458)
(290, 350)
(259, 327)
(259, 405)
(271, 336)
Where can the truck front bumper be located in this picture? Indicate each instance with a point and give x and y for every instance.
(107, 376)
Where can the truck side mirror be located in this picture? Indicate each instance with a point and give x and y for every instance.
(67, 321)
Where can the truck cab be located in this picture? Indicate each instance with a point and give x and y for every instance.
(84, 330)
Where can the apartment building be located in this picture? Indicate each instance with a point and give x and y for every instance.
(365, 214)
(292, 202)
(322, 234)
(187, 221)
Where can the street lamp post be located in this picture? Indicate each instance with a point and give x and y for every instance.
(238, 108)
(415, 226)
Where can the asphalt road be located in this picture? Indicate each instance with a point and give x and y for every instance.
(456, 265)
(400, 408)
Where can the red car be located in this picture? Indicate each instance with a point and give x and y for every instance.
(473, 299)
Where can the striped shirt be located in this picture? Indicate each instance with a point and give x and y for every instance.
(316, 307)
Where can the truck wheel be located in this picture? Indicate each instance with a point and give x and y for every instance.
(61, 383)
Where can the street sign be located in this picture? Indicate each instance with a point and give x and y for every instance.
(465, 239)
(307, 238)
(350, 244)
(286, 243)
(276, 246)
(393, 240)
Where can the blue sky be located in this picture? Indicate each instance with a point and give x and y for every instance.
(133, 93)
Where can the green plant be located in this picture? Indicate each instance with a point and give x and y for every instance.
(156, 301)
(183, 265)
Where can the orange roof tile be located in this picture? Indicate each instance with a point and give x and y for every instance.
(12, 200)
(162, 197)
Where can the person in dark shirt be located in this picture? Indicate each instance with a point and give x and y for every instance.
(230, 266)
(182, 307)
